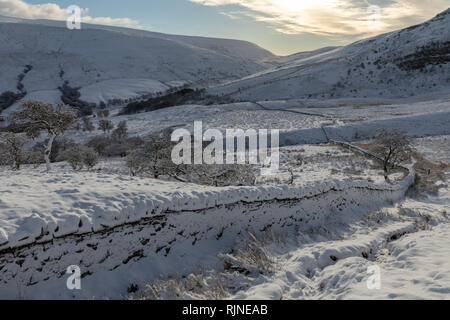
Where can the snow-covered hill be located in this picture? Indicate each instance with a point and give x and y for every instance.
(96, 54)
(403, 63)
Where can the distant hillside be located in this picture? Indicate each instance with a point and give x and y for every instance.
(403, 63)
(97, 54)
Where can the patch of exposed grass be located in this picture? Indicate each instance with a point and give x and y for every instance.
(428, 174)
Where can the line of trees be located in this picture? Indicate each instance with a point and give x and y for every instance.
(148, 156)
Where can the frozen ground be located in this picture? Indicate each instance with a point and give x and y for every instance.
(408, 242)
(413, 265)
(311, 232)
(108, 196)
(436, 149)
(351, 225)
(118, 236)
(297, 123)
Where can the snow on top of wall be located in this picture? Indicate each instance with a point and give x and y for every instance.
(38, 205)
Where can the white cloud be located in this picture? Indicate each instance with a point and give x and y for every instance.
(52, 11)
(335, 17)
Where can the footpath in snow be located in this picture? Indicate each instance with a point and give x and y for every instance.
(408, 244)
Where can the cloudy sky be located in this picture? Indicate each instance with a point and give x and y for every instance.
(282, 26)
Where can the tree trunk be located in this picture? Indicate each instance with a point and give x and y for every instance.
(386, 172)
(17, 160)
(48, 150)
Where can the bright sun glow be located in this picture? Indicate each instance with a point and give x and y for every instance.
(334, 17)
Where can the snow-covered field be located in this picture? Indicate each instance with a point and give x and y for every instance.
(412, 255)
(337, 205)
(81, 202)
(327, 232)
(312, 231)
(102, 223)
(297, 124)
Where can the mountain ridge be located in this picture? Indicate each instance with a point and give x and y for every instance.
(397, 64)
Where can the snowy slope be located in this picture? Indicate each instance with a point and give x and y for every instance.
(228, 47)
(398, 64)
(97, 53)
(413, 263)
(123, 219)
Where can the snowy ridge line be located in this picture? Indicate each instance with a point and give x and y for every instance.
(191, 237)
(178, 202)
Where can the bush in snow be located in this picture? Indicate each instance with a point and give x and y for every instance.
(121, 131)
(136, 162)
(90, 157)
(36, 116)
(60, 147)
(12, 150)
(87, 125)
(99, 144)
(79, 156)
(4, 160)
(74, 158)
(107, 146)
(218, 175)
(155, 159)
(103, 113)
(253, 259)
(201, 286)
(105, 125)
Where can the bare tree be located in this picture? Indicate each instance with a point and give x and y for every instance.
(121, 131)
(13, 148)
(78, 156)
(105, 125)
(155, 158)
(37, 116)
(103, 113)
(393, 147)
(218, 175)
(136, 162)
(87, 124)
